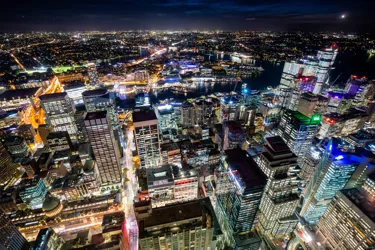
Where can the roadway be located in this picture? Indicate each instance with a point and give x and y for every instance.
(130, 191)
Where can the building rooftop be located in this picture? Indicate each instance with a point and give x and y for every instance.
(300, 119)
(53, 97)
(362, 199)
(159, 176)
(113, 221)
(94, 92)
(277, 144)
(18, 93)
(247, 168)
(309, 96)
(96, 115)
(141, 116)
(162, 216)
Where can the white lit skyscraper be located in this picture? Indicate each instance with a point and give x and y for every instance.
(281, 196)
(105, 147)
(146, 134)
(326, 59)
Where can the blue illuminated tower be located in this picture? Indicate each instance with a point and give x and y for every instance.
(337, 170)
(240, 187)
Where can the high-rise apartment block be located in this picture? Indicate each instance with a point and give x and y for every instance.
(60, 110)
(105, 147)
(239, 189)
(146, 134)
(281, 195)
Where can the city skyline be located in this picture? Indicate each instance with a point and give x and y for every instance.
(214, 140)
(292, 15)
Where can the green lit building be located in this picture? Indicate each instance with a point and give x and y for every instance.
(298, 130)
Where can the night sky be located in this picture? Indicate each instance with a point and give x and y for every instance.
(291, 15)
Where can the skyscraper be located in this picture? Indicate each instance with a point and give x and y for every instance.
(96, 100)
(8, 169)
(307, 104)
(337, 167)
(93, 74)
(298, 130)
(240, 186)
(146, 134)
(10, 237)
(349, 222)
(281, 195)
(291, 70)
(60, 110)
(187, 114)
(105, 148)
(326, 59)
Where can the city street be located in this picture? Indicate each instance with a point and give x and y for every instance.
(130, 191)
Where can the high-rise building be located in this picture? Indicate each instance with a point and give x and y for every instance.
(146, 134)
(349, 222)
(326, 59)
(306, 83)
(290, 73)
(298, 130)
(10, 237)
(47, 239)
(27, 132)
(105, 147)
(8, 169)
(188, 225)
(203, 110)
(171, 184)
(362, 89)
(33, 192)
(60, 110)
(281, 195)
(239, 189)
(16, 146)
(334, 124)
(187, 114)
(307, 104)
(97, 100)
(338, 169)
(310, 163)
(58, 141)
(93, 74)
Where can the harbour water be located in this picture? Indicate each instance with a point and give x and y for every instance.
(347, 63)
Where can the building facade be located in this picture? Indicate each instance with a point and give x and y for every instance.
(105, 148)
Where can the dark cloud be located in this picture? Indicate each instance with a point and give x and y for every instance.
(187, 14)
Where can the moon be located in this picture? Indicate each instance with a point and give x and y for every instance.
(343, 16)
